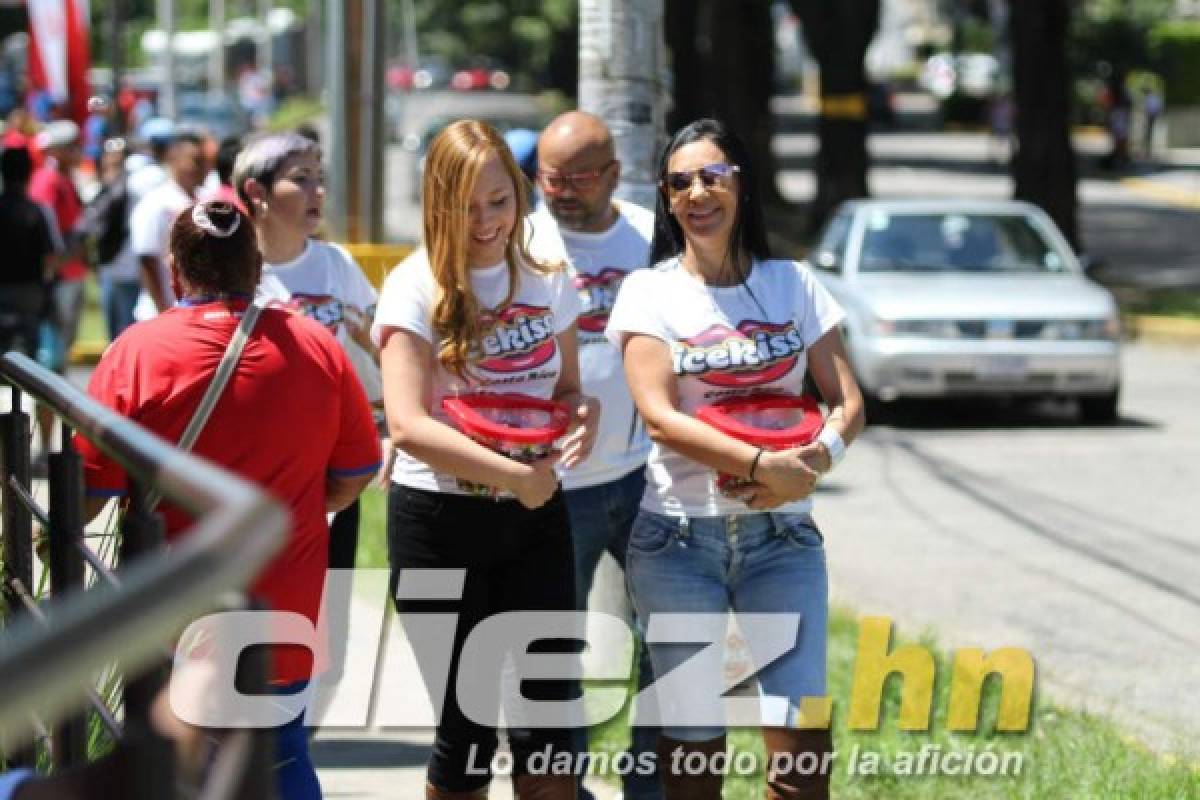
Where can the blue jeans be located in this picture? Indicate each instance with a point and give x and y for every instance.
(295, 775)
(750, 563)
(601, 519)
(118, 299)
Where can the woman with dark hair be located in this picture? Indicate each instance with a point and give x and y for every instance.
(291, 418)
(739, 323)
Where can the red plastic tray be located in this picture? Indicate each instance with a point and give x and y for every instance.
(773, 421)
(508, 418)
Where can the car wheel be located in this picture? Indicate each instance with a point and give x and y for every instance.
(876, 411)
(1099, 409)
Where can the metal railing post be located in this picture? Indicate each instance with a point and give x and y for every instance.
(50, 655)
(151, 759)
(16, 524)
(141, 532)
(66, 572)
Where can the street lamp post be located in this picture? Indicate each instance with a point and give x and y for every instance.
(216, 59)
(354, 96)
(166, 90)
(266, 48)
(116, 44)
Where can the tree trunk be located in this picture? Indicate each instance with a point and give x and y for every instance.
(837, 34)
(723, 62)
(1043, 167)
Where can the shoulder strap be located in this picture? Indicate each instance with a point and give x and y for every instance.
(229, 362)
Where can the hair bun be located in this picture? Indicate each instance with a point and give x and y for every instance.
(217, 218)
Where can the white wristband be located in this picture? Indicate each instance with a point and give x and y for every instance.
(833, 444)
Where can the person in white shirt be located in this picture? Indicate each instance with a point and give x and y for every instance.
(474, 311)
(145, 167)
(280, 180)
(716, 318)
(150, 225)
(601, 240)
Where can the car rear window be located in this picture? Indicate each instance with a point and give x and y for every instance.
(955, 242)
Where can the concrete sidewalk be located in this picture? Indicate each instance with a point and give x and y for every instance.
(371, 762)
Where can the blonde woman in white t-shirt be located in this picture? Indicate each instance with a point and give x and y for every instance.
(716, 317)
(473, 311)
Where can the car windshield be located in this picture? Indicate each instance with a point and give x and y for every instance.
(955, 242)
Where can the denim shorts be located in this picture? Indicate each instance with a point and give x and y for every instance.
(761, 563)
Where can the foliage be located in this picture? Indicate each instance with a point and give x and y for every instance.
(1176, 49)
(535, 40)
(293, 112)
(1138, 12)
(978, 36)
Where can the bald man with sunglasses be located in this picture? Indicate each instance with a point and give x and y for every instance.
(601, 240)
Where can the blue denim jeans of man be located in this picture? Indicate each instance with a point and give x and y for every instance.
(118, 298)
(601, 519)
(751, 563)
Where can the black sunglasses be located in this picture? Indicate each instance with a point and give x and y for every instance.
(710, 175)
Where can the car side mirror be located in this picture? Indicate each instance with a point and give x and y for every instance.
(827, 260)
(1092, 266)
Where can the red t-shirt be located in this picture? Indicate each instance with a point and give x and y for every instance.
(293, 413)
(14, 138)
(54, 190)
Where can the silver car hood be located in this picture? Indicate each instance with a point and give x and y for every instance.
(959, 296)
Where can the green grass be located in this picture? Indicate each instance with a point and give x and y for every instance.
(293, 112)
(372, 529)
(1066, 754)
(1174, 303)
(91, 322)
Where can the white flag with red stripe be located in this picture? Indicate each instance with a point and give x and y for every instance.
(59, 54)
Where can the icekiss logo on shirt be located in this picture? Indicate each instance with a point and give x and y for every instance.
(754, 354)
(519, 339)
(598, 292)
(323, 308)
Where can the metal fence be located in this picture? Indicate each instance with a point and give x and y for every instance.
(52, 649)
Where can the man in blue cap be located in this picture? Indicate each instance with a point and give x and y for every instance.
(145, 169)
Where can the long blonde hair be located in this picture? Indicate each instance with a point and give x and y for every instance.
(452, 167)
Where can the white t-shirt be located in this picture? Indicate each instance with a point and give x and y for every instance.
(150, 235)
(144, 178)
(325, 284)
(599, 263)
(724, 342)
(519, 350)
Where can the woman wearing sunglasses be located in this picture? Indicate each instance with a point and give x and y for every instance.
(737, 323)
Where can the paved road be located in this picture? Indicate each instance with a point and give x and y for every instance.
(999, 527)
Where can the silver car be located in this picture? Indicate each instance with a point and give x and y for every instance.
(949, 298)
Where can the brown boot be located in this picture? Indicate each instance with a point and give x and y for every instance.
(545, 787)
(434, 793)
(800, 763)
(681, 783)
